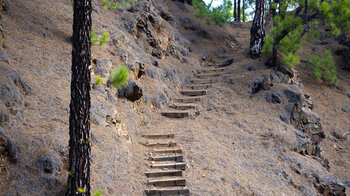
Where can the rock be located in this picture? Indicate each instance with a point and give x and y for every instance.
(4, 117)
(330, 185)
(348, 94)
(260, 83)
(204, 34)
(251, 68)
(338, 136)
(7, 144)
(279, 77)
(132, 91)
(155, 62)
(304, 144)
(285, 118)
(151, 73)
(292, 96)
(102, 66)
(284, 70)
(226, 63)
(4, 57)
(47, 165)
(273, 97)
(347, 182)
(156, 52)
(10, 96)
(346, 109)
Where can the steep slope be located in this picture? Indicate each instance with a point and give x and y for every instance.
(235, 144)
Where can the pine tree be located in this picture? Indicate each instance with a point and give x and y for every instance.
(239, 11)
(257, 32)
(79, 119)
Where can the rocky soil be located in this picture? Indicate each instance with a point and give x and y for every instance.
(259, 131)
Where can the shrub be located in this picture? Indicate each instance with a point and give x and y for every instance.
(119, 78)
(98, 80)
(219, 15)
(98, 193)
(324, 68)
(99, 39)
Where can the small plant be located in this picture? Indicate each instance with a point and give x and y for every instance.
(324, 68)
(98, 193)
(99, 40)
(98, 80)
(119, 78)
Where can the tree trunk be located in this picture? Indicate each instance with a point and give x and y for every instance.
(257, 32)
(235, 10)
(243, 7)
(79, 119)
(239, 11)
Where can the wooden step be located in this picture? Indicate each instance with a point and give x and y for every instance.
(188, 99)
(208, 76)
(204, 81)
(161, 173)
(168, 191)
(170, 166)
(198, 87)
(160, 144)
(167, 151)
(182, 107)
(159, 136)
(174, 181)
(176, 158)
(193, 92)
(175, 114)
(212, 70)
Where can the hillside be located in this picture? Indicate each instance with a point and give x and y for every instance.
(256, 132)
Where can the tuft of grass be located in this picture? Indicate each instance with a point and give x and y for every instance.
(103, 39)
(120, 77)
(99, 80)
(98, 193)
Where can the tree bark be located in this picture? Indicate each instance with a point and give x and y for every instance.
(235, 9)
(243, 7)
(257, 32)
(79, 119)
(239, 11)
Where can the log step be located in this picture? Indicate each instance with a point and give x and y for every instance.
(176, 181)
(176, 158)
(204, 81)
(204, 76)
(159, 136)
(161, 173)
(167, 191)
(160, 144)
(213, 70)
(188, 99)
(182, 107)
(167, 151)
(181, 166)
(175, 114)
(193, 92)
(198, 87)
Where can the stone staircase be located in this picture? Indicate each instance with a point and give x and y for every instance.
(192, 93)
(165, 161)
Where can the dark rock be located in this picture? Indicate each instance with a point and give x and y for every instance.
(226, 63)
(204, 34)
(284, 70)
(47, 165)
(348, 94)
(345, 109)
(4, 117)
(273, 97)
(251, 68)
(7, 144)
(347, 183)
(192, 39)
(151, 73)
(330, 185)
(292, 96)
(304, 144)
(279, 77)
(285, 118)
(156, 52)
(4, 57)
(10, 96)
(132, 91)
(258, 84)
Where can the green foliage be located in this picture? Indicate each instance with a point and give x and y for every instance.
(99, 39)
(291, 61)
(267, 47)
(220, 15)
(116, 5)
(120, 77)
(98, 193)
(324, 68)
(99, 80)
